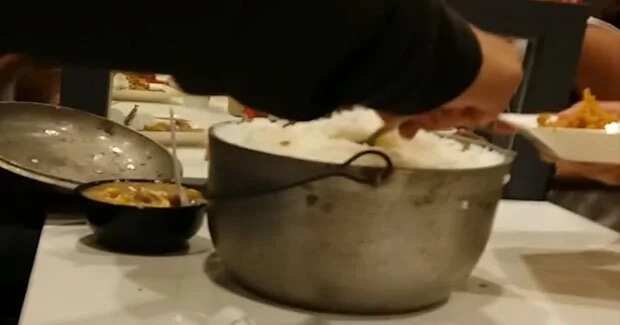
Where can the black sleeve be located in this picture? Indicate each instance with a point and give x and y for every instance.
(295, 59)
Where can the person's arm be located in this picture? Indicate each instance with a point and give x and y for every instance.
(294, 59)
(599, 66)
(488, 95)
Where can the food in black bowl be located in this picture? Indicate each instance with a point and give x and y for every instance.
(141, 216)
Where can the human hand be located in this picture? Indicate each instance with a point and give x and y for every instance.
(481, 103)
(438, 119)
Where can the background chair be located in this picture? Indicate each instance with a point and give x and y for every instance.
(554, 32)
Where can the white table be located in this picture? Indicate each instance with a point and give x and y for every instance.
(543, 265)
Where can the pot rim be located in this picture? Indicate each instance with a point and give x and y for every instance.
(509, 155)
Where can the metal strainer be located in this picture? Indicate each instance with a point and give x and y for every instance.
(66, 147)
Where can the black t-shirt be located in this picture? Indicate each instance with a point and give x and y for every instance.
(611, 13)
(294, 59)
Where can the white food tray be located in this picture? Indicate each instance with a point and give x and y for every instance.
(579, 145)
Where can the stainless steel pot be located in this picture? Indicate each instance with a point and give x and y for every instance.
(344, 238)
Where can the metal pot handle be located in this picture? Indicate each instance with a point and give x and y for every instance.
(368, 175)
(372, 176)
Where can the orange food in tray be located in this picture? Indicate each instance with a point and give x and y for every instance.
(589, 115)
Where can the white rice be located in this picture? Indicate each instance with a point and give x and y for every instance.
(335, 140)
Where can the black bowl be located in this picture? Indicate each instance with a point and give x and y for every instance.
(145, 230)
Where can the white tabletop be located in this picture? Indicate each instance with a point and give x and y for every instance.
(543, 265)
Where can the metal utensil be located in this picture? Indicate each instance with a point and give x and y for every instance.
(131, 116)
(332, 242)
(372, 139)
(64, 147)
(390, 124)
(177, 171)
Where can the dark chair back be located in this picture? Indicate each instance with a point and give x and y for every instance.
(86, 89)
(555, 33)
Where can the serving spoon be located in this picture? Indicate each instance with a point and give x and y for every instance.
(390, 123)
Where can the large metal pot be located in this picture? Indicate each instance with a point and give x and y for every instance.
(344, 238)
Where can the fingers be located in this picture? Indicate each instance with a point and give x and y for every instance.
(486, 97)
(500, 128)
(392, 121)
(428, 121)
(439, 119)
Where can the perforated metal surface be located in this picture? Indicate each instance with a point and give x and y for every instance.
(66, 147)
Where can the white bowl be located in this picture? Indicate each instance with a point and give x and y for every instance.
(580, 145)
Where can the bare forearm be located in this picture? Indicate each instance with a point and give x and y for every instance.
(295, 59)
(599, 66)
(498, 78)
